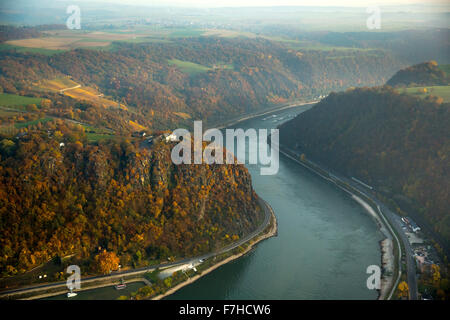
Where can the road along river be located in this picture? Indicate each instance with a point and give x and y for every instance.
(326, 240)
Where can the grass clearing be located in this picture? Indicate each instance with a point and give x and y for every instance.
(13, 100)
(229, 33)
(94, 137)
(186, 33)
(63, 40)
(56, 41)
(21, 125)
(82, 93)
(422, 92)
(314, 45)
(190, 68)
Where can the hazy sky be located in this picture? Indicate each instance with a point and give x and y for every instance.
(235, 3)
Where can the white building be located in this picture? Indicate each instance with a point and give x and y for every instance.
(171, 137)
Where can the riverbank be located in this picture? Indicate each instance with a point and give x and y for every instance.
(270, 233)
(387, 252)
(387, 284)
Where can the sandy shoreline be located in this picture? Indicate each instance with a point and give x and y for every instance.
(387, 264)
(387, 251)
(271, 233)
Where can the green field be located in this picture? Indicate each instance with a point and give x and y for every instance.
(186, 33)
(189, 67)
(94, 137)
(95, 134)
(12, 100)
(439, 91)
(43, 51)
(31, 123)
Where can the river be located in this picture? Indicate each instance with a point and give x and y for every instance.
(325, 240)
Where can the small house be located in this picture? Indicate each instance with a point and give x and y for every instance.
(171, 138)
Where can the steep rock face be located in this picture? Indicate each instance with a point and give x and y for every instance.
(118, 196)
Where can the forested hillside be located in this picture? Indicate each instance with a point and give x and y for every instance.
(61, 195)
(395, 142)
(158, 80)
(427, 73)
(73, 182)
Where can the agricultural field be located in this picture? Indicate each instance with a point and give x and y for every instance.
(93, 96)
(290, 43)
(94, 137)
(14, 101)
(186, 33)
(56, 41)
(313, 45)
(51, 43)
(45, 52)
(71, 39)
(55, 84)
(422, 92)
(192, 68)
(74, 90)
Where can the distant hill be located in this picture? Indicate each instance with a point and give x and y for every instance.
(215, 79)
(395, 142)
(423, 74)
